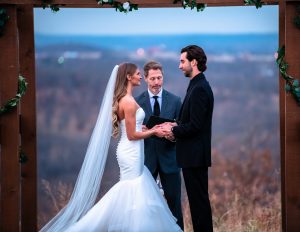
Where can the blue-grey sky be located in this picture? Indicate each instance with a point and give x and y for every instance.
(97, 21)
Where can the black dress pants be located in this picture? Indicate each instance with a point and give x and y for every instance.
(196, 183)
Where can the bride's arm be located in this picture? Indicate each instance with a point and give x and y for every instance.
(130, 121)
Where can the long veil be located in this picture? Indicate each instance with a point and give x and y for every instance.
(88, 181)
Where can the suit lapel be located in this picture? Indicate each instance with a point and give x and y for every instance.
(164, 103)
(147, 103)
(187, 96)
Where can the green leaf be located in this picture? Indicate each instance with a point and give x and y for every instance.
(257, 3)
(281, 52)
(22, 156)
(297, 90)
(200, 7)
(296, 83)
(296, 94)
(54, 8)
(10, 104)
(287, 88)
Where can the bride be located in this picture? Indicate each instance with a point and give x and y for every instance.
(135, 203)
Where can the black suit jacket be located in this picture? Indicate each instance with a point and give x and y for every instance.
(160, 151)
(193, 134)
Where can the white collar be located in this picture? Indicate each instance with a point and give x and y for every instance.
(159, 93)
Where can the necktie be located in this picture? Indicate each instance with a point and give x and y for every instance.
(156, 109)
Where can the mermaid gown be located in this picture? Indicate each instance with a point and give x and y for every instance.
(135, 203)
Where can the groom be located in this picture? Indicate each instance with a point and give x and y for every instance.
(160, 155)
(193, 136)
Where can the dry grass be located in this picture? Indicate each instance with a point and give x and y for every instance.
(244, 193)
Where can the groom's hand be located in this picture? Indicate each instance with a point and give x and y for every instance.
(167, 128)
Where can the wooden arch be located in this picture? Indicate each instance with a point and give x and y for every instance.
(18, 204)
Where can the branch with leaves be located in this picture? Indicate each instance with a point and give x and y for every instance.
(122, 7)
(10, 104)
(47, 4)
(3, 19)
(257, 3)
(191, 4)
(292, 85)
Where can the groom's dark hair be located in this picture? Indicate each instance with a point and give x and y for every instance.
(197, 53)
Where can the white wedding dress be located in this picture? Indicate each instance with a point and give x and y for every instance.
(135, 203)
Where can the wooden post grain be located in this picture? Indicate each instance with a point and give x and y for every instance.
(10, 168)
(292, 125)
(28, 120)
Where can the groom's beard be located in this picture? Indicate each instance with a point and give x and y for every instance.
(188, 73)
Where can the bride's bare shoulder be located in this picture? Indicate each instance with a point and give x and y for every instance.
(127, 102)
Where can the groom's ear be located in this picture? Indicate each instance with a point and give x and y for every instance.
(194, 62)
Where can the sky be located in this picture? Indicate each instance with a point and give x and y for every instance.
(213, 20)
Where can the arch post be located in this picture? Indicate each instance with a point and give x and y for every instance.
(9, 126)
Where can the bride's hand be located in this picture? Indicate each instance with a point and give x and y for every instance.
(144, 128)
(158, 131)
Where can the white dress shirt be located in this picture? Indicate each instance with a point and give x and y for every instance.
(152, 100)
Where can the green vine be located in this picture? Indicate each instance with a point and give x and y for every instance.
(257, 3)
(10, 104)
(47, 4)
(122, 7)
(3, 19)
(191, 4)
(297, 18)
(292, 85)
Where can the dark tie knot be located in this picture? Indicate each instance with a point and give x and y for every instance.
(155, 97)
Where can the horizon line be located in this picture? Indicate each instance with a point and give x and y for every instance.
(161, 34)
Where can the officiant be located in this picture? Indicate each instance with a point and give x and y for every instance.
(160, 154)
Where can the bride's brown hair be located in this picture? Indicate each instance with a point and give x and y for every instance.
(120, 91)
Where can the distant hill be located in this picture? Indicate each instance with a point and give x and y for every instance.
(236, 43)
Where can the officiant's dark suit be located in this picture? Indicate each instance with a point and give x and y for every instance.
(193, 136)
(160, 154)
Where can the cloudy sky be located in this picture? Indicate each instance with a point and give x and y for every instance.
(97, 21)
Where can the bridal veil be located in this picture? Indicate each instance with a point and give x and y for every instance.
(89, 179)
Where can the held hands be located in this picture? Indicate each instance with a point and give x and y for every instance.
(158, 131)
(167, 127)
(164, 130)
